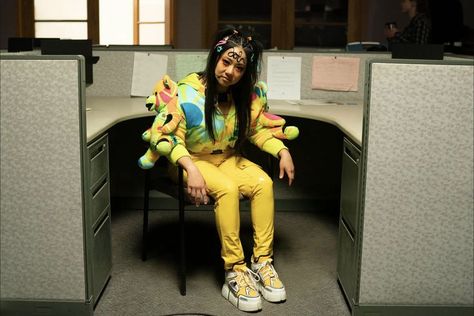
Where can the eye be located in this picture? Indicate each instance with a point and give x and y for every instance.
(240, 68)
(226, 62)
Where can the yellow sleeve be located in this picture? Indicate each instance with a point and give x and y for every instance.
(178, 152)
(273, 147)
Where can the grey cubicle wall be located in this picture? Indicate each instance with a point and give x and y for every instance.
(42, 244)
(113, 73)
(417, 193)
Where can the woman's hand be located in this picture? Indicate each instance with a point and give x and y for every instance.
(197, 187)
(286, 165)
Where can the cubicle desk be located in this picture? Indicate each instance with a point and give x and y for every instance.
(322, 126)
(105, 112)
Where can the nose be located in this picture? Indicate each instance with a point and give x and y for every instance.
(229, 70)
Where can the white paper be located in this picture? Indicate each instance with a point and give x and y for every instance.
(148, 68)
(185, 64)
(284, 78)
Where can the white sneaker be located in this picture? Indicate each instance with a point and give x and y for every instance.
(269, 284)
(240, 289)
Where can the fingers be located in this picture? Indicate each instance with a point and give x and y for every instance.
(198, 195)
(282, 172)
(291, 176)
(290, 172)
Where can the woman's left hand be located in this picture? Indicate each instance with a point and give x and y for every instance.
(286, 165)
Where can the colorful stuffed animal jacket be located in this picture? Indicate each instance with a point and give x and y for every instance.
(266, 129)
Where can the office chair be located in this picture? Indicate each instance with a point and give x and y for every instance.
(166, 185)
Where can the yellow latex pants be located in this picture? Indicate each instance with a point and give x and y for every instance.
(228, 177)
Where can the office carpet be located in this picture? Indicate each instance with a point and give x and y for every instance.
(305, 258)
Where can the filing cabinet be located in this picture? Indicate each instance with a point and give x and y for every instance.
(99, 221)
(348, 221)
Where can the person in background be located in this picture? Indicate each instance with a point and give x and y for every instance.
(418, 30)
(222, 107)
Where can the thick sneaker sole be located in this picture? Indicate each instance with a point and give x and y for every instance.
(272, 295)
(246, 304)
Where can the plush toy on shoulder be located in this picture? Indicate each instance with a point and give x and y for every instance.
(268, 125)
(162, 134)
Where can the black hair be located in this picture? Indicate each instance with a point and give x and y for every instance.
(241, 92)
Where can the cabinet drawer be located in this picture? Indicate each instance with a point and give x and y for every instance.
(350, 185)
(346, 262)
(100, 200)
(101, 257)
(99, 161)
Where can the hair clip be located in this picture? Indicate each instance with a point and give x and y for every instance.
(220, 43)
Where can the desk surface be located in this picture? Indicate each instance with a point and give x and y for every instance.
(104, 112)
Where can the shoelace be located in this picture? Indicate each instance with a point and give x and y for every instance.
(247, 278)
(267, 271)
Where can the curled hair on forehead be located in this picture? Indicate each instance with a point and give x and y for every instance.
(241, 92)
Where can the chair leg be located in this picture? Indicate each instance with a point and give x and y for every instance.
(271, 166)
(182, 234)
(146, 206)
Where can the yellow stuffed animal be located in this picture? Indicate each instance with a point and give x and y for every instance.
(268, 124)
(164, 101)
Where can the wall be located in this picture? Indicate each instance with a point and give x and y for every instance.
(188, 24)
(189, 20)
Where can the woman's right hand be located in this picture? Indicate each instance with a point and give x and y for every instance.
(197, 187)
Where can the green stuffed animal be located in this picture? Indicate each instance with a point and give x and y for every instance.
(161, 135)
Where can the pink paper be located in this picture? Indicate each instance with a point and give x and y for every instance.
(335, 73)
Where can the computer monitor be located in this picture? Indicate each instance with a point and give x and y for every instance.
(38, 41)
(417, 51)
(20, 44)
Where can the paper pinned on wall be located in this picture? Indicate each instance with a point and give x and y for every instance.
(186, 64)
(147, 70)
(335, 73)
(284, 77)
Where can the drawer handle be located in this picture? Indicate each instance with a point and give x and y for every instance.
(99, 188)
(104, 222)
(353, 156)
(97, 151)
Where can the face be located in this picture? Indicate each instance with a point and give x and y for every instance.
(407, 5)
(230, 67)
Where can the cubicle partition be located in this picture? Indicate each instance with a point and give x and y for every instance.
(114, 72)
(410, 251)
(49, 242)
